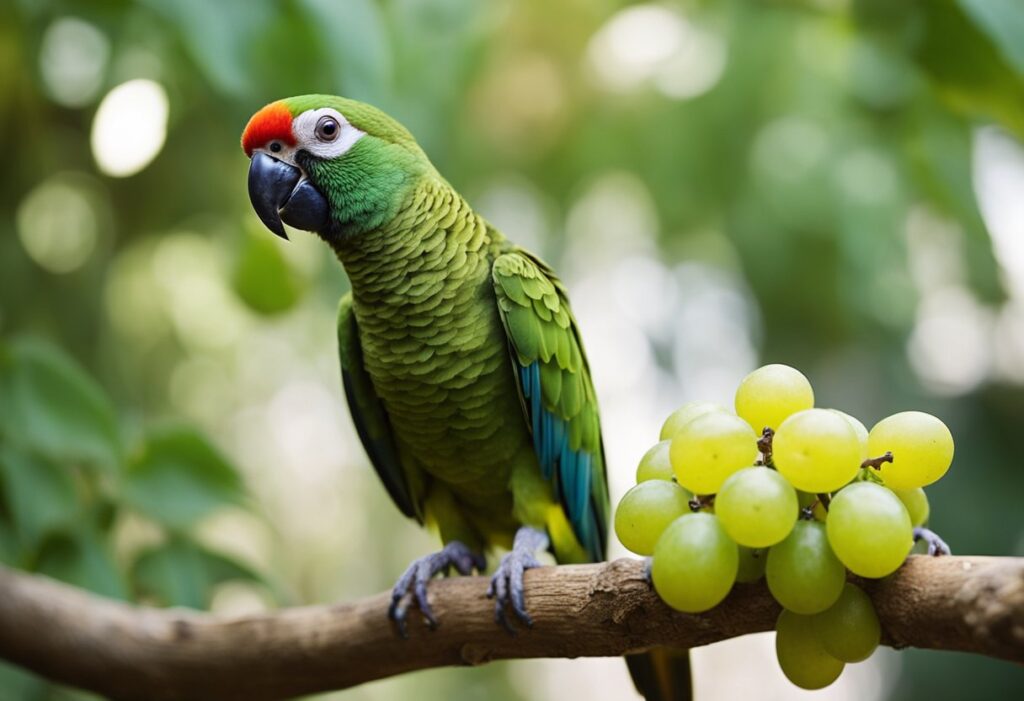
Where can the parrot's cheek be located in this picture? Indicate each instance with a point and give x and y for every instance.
(279, 193)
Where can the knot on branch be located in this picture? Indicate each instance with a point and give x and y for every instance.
(994, 606)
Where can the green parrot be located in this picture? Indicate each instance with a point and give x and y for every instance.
(461, 360)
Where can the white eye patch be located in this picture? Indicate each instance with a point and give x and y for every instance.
(317, 141)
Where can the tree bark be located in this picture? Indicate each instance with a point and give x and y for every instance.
(970, 604)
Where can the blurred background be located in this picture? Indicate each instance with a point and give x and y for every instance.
(833, 184)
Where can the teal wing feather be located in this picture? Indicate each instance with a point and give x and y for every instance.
(556, 391)
(403, 483)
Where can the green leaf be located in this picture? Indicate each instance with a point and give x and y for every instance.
(263, 279)
(1003, 22)
(220, 37)
(939, 152)
(973, 79)
(17, 684)
(40, 495)
(10, 552)
(182, 573)
(179, 477)
(50, 406)
(82, 558)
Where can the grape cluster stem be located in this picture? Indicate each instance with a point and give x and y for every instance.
(876, 463)
(764, 445)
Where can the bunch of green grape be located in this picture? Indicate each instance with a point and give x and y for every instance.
(792, 493)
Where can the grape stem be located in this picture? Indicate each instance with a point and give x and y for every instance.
(701, 501)
(764, 444)
(876, 463)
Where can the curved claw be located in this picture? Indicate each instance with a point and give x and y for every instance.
(412, 585)
(936, 545)
(507, 582)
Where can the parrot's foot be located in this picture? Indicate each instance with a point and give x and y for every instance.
(507, 583)
(413, 584)
(936, 545)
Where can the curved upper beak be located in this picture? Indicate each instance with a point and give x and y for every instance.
(279, 193)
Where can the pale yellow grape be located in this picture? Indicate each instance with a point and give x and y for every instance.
(683, 415)
(801, 655)
(802, 572)
(711, 447)
(860, 429)
(695, 563)
(655, 464)
(770, 394)
(921, 446)
(645, 511)
(816, 450)
(869, 529)
(916, 502)
(849, 629)
(757, 507)
(752, 562)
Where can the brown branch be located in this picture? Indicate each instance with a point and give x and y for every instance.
(971, 604)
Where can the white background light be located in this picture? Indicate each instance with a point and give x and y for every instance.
(130, 127)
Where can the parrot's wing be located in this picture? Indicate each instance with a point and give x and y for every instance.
(371, 419)
(554, 385)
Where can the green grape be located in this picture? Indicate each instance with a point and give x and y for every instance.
(816, 450)
(921, 446)
(695, 563)
(916, 502)
(803, 573)
(869, 529)
(859, 429)
(709, 448)
(757, 507)
(752, 563)
(645, 511)
(770, 394)
(683, 415)
(849, 629)
(801, 655)
(655, 464)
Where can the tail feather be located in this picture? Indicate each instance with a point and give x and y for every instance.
(662, 674)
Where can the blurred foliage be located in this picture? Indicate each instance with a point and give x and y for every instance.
(815, 159)
(69, 474)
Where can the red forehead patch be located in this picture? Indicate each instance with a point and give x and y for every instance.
(272, 122)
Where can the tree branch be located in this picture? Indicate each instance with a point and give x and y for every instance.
(971, 604)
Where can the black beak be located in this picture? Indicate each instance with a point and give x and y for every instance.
(278, 192)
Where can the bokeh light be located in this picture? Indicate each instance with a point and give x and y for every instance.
(59, 222)
(130, 127)
(657, 44)
(72, 60)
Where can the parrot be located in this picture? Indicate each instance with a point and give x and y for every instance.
(461, 361)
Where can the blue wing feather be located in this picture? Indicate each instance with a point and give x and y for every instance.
(571, 469)
(563, 416)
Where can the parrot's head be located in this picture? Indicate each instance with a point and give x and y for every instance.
(328, 164)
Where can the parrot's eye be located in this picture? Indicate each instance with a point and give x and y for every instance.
(327, 129)
(275, 146)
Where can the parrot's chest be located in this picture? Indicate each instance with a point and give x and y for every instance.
(442, 369)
